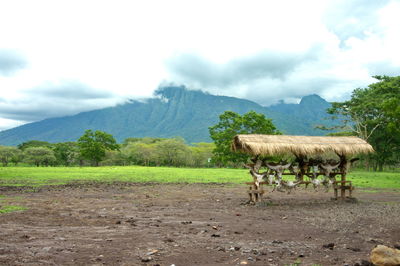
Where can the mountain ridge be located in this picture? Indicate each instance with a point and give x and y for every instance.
(174, 111)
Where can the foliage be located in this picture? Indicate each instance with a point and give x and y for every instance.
(172, 152)
(231, 124)
(93, 145)
(34, 143)
(113, 157)
(140, 153)
(373, 113)
(201, 154)
(67, 153)
(7, 154)
(39, 156)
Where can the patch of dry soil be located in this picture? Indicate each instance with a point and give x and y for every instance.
(188, 224)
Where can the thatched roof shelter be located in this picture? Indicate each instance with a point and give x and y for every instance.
(299, 145)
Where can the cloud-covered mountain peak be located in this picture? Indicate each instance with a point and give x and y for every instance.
(313, 99)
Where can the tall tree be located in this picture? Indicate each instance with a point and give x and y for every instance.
(93, 145)
(230, 124)
(373, 113)
(7, 153)
(67, 153)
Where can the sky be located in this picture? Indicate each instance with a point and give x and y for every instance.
(60, 58)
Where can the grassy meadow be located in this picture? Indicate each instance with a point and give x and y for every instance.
(40, 176)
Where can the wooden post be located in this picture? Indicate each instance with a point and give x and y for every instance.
(343, 170)
(343, 187)
(302, 165)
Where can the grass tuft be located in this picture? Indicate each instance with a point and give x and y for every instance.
(11, 208)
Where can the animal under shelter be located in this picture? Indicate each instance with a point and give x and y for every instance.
(310, 160)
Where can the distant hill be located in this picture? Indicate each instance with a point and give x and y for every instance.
(174, 111)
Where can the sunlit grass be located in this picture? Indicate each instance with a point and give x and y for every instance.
(11, 208)
(39, 176)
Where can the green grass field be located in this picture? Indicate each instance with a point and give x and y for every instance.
(39, 176)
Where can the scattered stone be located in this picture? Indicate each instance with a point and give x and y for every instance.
(250, 259)
(329, 246)
(238, 233)
(238, 214)
(215, 235)
(263, 252)
(146, 259)
(354, 249)
(118, 222)
(237, 248)
(47, 249)
(220, 249)
(277, 242)
(186, 222)
(270, 260)
(375, 241)
(301, 255)
(169, 240)
(152, 252)
(363, 263)
(383, 255)
(397, 246)
(255, 252)
(243, 262)
(214, 227)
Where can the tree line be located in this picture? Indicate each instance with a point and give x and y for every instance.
(96, 148)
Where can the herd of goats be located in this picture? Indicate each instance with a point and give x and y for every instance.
(311, 168)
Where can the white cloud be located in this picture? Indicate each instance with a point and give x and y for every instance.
(124, 49)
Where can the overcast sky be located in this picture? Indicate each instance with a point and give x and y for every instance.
(62, 57)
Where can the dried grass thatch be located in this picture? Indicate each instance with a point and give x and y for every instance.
(299, 145)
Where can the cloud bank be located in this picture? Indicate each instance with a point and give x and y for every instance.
(55, 100)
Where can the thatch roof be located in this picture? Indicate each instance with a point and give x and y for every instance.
(299, 145)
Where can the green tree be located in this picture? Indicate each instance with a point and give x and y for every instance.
(39, 156)
(93, 145)
(140, 153)
(34, 143)
(231, 124)
(67, 153)
(201, 154)
(17, 157)
(373, 114)
(173, 152)
(7, 153)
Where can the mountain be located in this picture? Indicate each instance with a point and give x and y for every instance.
(174, 111)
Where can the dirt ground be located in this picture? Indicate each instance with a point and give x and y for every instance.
(192, 224)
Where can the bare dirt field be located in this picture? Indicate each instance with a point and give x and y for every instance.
(192, 224)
